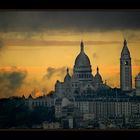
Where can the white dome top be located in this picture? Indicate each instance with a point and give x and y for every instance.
(82, 59)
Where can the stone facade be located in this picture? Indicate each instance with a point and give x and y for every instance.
(125, 69)
(82, 78)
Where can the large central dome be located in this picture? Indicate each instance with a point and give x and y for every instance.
(82, 68)
(82, 59)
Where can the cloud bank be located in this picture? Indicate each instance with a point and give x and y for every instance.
(11, 81)
(75, 20)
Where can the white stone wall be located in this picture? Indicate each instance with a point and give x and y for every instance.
(108, 108)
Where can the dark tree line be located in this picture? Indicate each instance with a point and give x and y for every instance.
(14, 113)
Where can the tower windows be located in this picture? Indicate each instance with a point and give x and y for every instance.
(125, 67)
(126, 63)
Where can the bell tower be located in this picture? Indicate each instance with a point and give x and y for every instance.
(125, 69)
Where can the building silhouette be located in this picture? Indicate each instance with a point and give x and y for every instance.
(82, 96)
(82, 78)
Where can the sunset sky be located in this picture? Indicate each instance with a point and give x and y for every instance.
(36, 47)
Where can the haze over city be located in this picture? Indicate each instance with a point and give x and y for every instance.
(36, 47)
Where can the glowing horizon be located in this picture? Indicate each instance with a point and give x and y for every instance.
(40, 51)
(36, 73)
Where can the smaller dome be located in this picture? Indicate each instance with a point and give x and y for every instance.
(98, 78)
(67, 77)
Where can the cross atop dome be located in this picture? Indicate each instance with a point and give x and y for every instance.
(82, 59)
(97, 69)
(67, 70)
(82, 46)
(125, 42)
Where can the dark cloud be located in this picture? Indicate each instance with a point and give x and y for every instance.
(11, 81)
(55, 71)
(75, 20)
(52, 71)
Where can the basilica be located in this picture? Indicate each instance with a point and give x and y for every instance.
(82, 96)
(82, 80)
